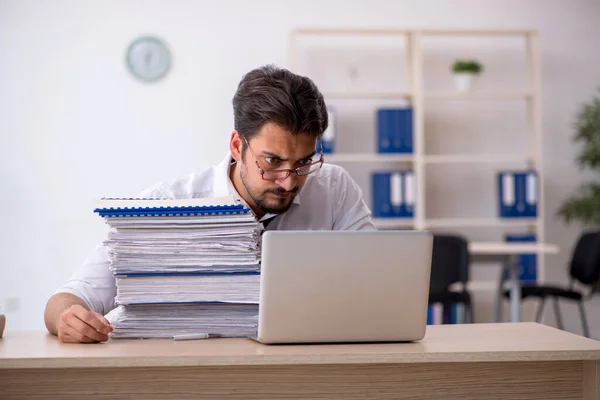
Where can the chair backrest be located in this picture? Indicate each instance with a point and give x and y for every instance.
(449, 263)
(585, 262)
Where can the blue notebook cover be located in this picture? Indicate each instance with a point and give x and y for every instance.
(132, 207)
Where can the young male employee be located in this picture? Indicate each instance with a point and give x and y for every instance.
(271, 167)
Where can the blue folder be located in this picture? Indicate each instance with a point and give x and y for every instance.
(393, 194)
(395, 130)
(517, 194)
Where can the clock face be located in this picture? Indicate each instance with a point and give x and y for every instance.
(148, 59)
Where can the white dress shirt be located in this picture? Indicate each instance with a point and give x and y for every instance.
(329, 200)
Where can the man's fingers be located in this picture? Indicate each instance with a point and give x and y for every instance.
(99, 324)
(69, 335)
(64, 337)
(86, 330)
(104, 321)
(68, 338)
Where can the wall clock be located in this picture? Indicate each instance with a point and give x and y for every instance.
(148, 58)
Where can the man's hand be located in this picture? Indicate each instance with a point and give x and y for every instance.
(79, 325)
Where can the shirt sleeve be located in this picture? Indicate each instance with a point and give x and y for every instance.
(93, 282)
(351, 212)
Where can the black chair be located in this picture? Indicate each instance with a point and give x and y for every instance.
(584, 268)
(449, 265)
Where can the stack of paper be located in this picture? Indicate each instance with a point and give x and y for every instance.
(168, 320)
(195, 261)
(161, 288)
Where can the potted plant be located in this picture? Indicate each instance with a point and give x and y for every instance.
(584, 206)
(464, 71)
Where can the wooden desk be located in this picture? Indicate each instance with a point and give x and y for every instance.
(508, 254)
(480, 361)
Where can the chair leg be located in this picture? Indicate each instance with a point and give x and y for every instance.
(557, 314)
(540, 310)
(586, 329)
(468, 311)
(469, 314)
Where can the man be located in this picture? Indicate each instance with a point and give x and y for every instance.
(271, 167)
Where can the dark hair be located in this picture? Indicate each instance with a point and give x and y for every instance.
(272, 94)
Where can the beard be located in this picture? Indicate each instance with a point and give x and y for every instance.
(264, 201)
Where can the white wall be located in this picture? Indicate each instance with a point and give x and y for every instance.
(74, 125)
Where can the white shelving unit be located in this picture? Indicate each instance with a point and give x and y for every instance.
(419, 98)
(369, 157)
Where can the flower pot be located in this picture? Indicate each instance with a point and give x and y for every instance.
(463, 81)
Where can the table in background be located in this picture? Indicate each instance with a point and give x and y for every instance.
(508, 254)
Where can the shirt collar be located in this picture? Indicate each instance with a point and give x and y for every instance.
(223, 186)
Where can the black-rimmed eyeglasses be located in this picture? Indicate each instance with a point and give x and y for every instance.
(277, 174)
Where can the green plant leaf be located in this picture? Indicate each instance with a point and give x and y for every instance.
(584, 207)
(470, 66)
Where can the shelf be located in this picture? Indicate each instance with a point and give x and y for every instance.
(476, 286)
(368, 157)
(475, 96)
(494, 248)
(393, 223)
(425, 32)
(422, 89)
(369, 95)
(475, 158)
(478, 222)
(476, 32)
(349, 31)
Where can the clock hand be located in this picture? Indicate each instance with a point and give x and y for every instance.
(148, 59)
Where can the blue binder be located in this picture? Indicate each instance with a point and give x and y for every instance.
(527, 262)
(393, 194)
(408, 191)
(517, 194)
(136, 207)
(530, 183)
(395, 130)
(329, 136)
(381, 192)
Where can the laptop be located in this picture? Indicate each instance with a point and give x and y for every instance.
(344, 286)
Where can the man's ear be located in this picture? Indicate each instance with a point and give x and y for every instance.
(235, 145)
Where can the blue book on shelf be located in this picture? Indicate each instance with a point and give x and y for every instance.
(517, 194)
(527, 262)
(393, 194)
(395, 130)
(329, 136)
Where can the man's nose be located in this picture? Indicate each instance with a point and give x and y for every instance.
(288, 183)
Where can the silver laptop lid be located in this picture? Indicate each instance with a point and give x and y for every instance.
(344, 286)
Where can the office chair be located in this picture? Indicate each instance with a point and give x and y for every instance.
(584, 268)
(449, 265)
